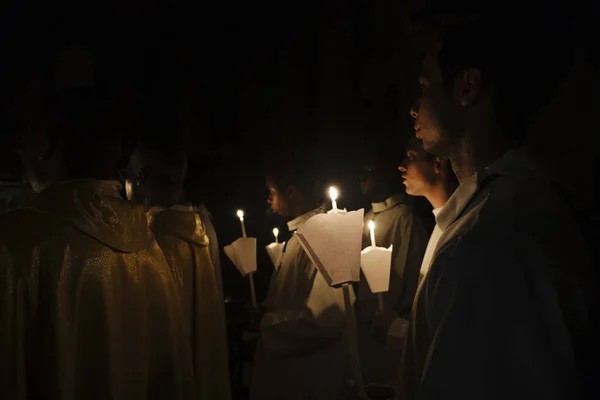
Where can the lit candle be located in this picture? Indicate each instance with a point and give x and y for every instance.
(240, 215)
(276, 234)
(372, 229)
(333, 194)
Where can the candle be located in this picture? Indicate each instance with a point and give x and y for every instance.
(372, 229)
(333, 194)
(276, 234)
(240, 215)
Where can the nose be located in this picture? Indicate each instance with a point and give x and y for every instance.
(402, 166)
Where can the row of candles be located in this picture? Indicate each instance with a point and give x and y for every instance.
(333, 194)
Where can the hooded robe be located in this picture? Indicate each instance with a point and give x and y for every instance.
(181, 235)
(89, 308)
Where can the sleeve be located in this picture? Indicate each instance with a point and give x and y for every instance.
(505, 316)
(321, 322)
(12, 329)
(410, 241)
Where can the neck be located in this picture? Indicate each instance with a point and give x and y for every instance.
(380, 197)
(438, 196)
(300, 208)
(165, 199)
(477, 149)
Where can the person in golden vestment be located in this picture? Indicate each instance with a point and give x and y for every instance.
(89, 308)
(156, 180)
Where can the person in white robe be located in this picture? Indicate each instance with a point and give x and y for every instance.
(504, 309)
(430, 176)
(302, 350)
(396, 224)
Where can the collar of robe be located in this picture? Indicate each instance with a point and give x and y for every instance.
(176, 207)
(388, 203)
(297, 222)
(518, 161)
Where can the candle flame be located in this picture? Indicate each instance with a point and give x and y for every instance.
(333, 193)
(372, 225)
(240, 213)
(275, 232)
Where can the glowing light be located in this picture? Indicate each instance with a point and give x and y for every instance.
(372, 229)
(333, 193)
(240, 214)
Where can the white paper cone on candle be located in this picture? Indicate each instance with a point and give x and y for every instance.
(275, 251)
(376, 263)
(333, 243)
(242, 254)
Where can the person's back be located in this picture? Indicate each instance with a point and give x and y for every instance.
(90, 309)
(182, 237)
(89, 306)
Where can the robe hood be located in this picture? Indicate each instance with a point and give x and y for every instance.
(183, 224)
(97, 209)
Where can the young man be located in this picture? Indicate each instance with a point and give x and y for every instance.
(89, 305)
(301, 351)
(504, 307)
(397, 225)
(430, 176)
(156, 176)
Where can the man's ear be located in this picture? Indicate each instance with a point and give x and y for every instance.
(439, 161)
(290, 191)
(470, 86)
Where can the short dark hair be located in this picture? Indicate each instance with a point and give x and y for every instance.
(522, 64)
(294, 168)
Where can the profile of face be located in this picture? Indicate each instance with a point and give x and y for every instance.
(366, 181)
(134, 178)
(441, 108)
(40, 160)
(419, 171)
(279, 202)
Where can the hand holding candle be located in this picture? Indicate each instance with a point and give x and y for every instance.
(276, 234)
(240, 214)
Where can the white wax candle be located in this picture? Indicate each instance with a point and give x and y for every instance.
(276, 234)
(372, 229)
(240, 215)
(333, 194)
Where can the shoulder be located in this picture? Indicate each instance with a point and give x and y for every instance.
(524, 225)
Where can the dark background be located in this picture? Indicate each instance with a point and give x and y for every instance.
(248, 81)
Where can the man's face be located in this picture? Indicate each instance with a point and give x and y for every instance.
(132, 177)
(277, 202)
(434, 112)
(37, 162)
(418, 172)
(366, 181)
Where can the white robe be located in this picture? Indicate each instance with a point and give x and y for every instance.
(395, 224)
(399, 327)
(501, 311)
(302, 350)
